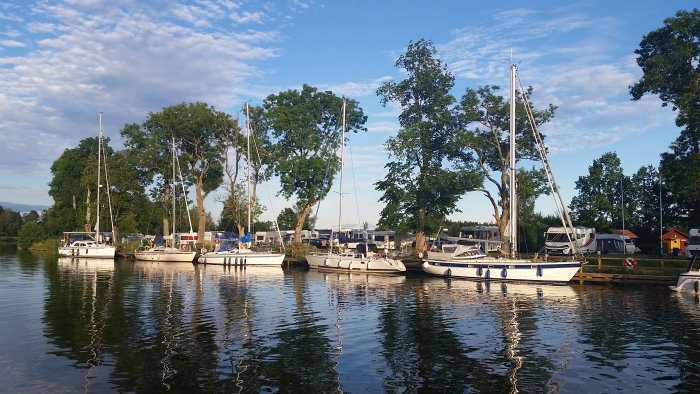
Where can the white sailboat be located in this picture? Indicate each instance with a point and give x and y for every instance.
(91, 244)
(470, 262)
(235, 253)
(364, 258)
(174, 252)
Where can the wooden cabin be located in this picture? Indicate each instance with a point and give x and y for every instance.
(675, 242)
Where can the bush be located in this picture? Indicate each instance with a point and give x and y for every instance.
(29, 234)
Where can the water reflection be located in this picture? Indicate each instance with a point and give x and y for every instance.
(156, 327)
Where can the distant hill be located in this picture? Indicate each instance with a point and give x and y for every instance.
(22, 207)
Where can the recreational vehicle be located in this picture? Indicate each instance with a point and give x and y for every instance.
(615, 243)
(558, 242)
(693, 247)
(488, 237)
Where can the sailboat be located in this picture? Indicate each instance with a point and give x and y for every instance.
(365, 257)
(468, 261)
(90, 244)
(235, 253)
(173, 252)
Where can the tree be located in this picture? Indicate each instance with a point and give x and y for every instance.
(69, 188)
(426, 174)
(199, 132)
(600, 195)
(670, 61)
(680, 172)
(287, 218)
(305, 129)
(30, 233)
(484, 118)
(10, 222)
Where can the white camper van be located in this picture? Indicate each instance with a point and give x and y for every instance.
(693, 247)
(556, 240)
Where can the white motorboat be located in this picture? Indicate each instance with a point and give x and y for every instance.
(237, 255)
(468, 261)
(689, 280)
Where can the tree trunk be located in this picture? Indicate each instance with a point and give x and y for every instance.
(201, 214)
(301, 217)
(420, 231)
(87, 212)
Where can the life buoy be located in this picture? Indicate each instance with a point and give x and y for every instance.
(629, 263)
(377, 256)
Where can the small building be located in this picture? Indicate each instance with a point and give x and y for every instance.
(675, 242)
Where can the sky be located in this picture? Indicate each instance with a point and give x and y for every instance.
(63, 62)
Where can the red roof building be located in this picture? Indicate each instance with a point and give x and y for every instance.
(675, 242)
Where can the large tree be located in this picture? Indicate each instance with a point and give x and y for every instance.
(600, 198)
(427, 174)
(199, 132)
(670, 61)
(305, 128)
(484, 116)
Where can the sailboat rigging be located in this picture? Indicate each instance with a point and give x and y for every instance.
(469, 261)
(237, 254)
(91, 244)
(173, 252)
(365, 258)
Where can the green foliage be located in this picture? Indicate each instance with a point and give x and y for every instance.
(426, 174)
(199, 133)
(30, 233)
(287, 219)
(305, 128)
(599, 200)
(10, 222)
(670, 61)
(484, 119)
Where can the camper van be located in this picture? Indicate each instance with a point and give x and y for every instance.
(615, 243)
(556, 240)
(693, 247)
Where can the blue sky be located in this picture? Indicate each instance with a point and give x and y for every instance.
(63, 62)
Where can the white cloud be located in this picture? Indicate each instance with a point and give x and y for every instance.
(11, 44)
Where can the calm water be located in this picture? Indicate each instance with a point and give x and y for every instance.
(103, 326)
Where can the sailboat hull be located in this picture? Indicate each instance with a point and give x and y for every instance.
(94, 251)
(350, 263)
(165, 254)
(242, 258)
(505, 270)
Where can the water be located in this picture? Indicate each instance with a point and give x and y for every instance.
(103, 326)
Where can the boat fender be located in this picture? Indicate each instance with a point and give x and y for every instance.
(488, 274)
(479, 271)
(245, 261)
(696, 286)
(629, 263)
(448, 273)
(325, 262)
(539, 271)
(420, 255)
(504, 273)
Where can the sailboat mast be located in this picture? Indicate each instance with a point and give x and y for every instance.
(99, 175)
(247, 126)
(342, 162)
(174, 193)
(513, 228)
